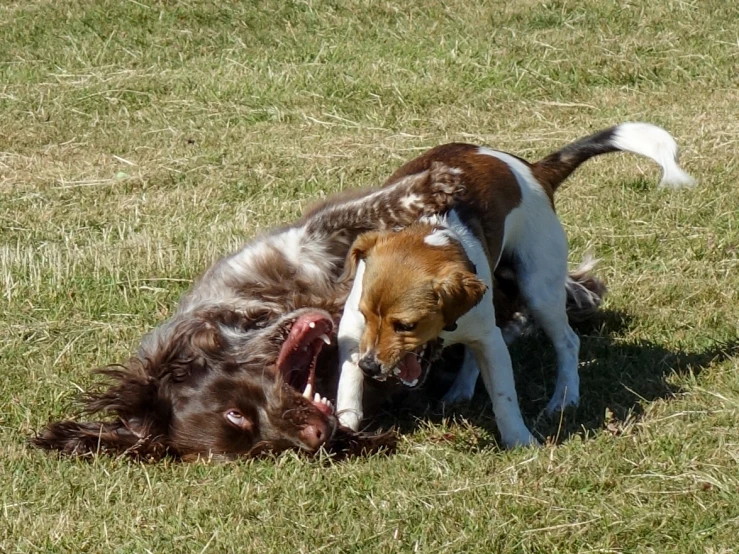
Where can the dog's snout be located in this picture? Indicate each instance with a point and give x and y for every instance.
(315, 434)
(370, 366)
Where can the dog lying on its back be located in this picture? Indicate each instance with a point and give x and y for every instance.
(431, 283)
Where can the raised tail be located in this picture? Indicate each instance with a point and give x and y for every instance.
(640, 138)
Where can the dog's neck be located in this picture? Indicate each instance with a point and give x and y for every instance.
(449, 230)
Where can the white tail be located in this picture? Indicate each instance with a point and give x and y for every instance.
(655, 143)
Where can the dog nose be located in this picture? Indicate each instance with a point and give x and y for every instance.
(370, 366)
(315, 434)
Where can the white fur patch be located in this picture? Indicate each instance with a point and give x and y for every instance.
(410, 201)
(520, 170)
(438, 237)
(308, 256)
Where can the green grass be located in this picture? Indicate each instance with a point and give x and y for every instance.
(141, 139)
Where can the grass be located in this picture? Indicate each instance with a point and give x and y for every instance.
(141, 139)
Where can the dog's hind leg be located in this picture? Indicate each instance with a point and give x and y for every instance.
(541, 266)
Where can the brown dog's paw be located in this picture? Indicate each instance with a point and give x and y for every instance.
(348, 444)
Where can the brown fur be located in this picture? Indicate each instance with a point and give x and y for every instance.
(429, 291)
(218, 353)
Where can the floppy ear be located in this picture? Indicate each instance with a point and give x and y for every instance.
(357, 252)
(131, 393)
(458, 293)
(139, 427)
(75, 438)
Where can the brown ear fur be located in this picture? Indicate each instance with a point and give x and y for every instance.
(359, 251)
(132, 396)
(131, 393)
(79, 439)
(458, 294)
(137, 396)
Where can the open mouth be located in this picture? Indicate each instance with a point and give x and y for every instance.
(297, 359)
(414, 367)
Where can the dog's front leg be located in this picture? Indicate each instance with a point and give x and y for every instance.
(399, 203)
(351, 379)
(497, 373)
(351, 389)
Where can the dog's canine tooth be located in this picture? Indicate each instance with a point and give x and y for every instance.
(325, 338)
(308, 392)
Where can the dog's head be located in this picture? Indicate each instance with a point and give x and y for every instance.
(211, 383)
(417, 283)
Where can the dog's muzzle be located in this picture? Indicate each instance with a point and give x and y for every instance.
(370, 366)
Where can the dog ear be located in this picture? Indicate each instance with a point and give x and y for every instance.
(131, 393)
(359, 251)
(76, 438)
(133, 396)
(458, 293)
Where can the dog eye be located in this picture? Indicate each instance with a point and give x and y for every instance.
(236, 417)
(401, 327)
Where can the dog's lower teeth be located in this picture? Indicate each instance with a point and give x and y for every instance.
(308, 392)
(396, 371)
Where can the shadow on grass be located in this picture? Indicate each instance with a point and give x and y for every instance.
(616, 378)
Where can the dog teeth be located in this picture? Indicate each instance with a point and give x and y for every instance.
(312, 325)
(325, 338)
(318, 399)
(411, 384)
(396, 371)
(308, 392)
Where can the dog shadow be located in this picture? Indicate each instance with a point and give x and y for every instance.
(618, 378)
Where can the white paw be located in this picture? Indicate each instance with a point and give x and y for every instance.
(562, 399)
(350, 419)
(520, 438)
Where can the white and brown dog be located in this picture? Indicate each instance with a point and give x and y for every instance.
(434, 280)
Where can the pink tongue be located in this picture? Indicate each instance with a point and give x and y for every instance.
(323, 408)
(410, 369)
